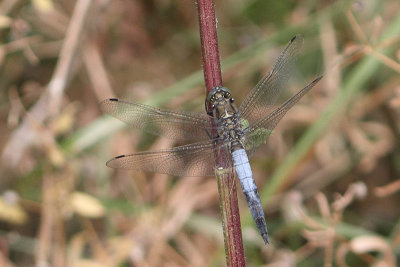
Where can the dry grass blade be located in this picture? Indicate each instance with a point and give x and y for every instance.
(331, 166)
(49, 105)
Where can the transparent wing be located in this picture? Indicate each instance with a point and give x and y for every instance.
(268, 90)
(258, 133)
(190, 160)
(172, 124)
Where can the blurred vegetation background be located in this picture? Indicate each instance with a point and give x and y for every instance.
(328, 177)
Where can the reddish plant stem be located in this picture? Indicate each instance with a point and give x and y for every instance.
(209, 44)
(225, 178)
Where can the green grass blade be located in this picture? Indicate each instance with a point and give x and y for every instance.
(355, 82)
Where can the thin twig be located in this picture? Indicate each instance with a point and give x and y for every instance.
(226, 186)
(97, 72)
(49, 105)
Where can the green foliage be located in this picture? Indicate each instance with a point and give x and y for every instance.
(275, 12)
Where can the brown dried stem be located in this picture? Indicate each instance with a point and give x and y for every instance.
(49, 105)
(226, 186)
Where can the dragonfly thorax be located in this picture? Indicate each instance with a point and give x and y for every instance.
(230, 129)
(225, 113)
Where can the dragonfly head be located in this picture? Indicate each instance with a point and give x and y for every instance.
(219, 98)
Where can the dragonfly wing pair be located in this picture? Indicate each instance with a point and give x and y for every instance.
(236, 141)
(197, 159)
(257, 133)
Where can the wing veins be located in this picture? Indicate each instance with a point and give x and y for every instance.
(172, 124)
(269, 122)
(189, 160)
(266, 93)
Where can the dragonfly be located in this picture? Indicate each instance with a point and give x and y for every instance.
(224, 127)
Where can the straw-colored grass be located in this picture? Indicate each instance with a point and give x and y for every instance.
(328, 177)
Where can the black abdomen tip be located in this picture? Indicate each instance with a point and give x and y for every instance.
(265, 238)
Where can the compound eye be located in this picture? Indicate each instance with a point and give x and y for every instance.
(232, 100)
(213, 106)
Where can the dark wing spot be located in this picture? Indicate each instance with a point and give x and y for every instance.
(120, 156)
(293, 38)
(317, 79)
(113, 99)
